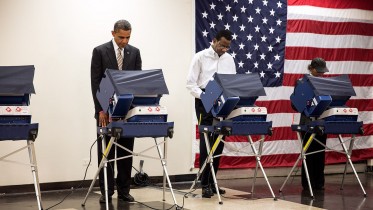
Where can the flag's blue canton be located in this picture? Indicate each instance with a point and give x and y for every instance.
(258, 28)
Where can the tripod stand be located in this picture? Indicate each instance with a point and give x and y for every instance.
(115, 134)
(225, 131)
(29, 132)
(302, 156)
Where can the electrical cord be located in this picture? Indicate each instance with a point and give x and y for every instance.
(81, 183)
(141, 179)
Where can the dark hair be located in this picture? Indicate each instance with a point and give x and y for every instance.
(224, 33)
(122, 24)
(310, 67)
(319, 64)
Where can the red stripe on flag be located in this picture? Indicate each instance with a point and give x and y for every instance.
(357, 154)
(197, 132)
(361, 104)
(335, 54)
(356, 79)
(249, 161)
(368, 129)
(276, 106)
(345, 4)
(282, 133)
(330, 28)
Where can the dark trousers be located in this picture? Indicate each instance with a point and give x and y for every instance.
(124, 167)
(315, 162)
(207, 119)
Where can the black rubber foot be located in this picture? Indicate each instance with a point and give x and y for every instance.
(221, 202)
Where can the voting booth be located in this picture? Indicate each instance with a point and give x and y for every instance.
(323, 101)
(231, 100)
(16, 87)
(132, 100)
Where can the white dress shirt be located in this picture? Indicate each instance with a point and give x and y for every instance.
(116, 49)
(204, 65)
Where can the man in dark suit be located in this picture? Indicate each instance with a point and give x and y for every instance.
(115, 54)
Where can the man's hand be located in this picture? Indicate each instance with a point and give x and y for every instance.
(103, 119)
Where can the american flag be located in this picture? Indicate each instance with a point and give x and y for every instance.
(277, 39)
(258, 29)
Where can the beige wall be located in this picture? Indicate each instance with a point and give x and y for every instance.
(57, 36)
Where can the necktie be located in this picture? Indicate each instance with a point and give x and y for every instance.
(120, 59)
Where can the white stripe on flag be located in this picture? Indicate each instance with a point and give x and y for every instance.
(328, 41)
(300, 16)
(272, 93)
(335, 67)
(307, 12)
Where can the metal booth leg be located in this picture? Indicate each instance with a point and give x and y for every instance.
(209, 160)
(291, 171)
(34, 170)
(106, 151)
(302, 156)
(210, 153)
(348, 156)
(164, 173)
(163, 157)
(296, 162)
(307, 176)
(200, 171)
(258, 163)
(103, 164)
(305, 148)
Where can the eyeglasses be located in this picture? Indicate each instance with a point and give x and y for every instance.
(222, 46)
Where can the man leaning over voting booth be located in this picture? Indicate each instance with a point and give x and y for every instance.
(315, 162)
(116, 54)
(230, 98)
(202, 68)
(131, 98)
(323, 102)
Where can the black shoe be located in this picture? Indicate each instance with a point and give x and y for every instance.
(103, 200)
(126, 197)
(221, 191)
(207, 192)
